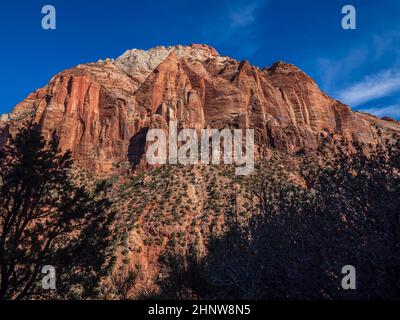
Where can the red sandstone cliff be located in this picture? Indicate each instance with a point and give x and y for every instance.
(101, 111)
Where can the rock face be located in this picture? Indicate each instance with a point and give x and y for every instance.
(102, 111)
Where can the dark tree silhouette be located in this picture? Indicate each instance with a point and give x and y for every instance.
(45, 219)
(344, 211)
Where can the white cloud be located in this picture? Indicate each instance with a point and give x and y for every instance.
(392, 111)
(372, 87)
(234, 24)
(244, 14)
(384, 44)
(334, 71)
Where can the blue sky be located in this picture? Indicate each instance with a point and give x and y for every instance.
(361, 67)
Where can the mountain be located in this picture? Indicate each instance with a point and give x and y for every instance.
(102, 111)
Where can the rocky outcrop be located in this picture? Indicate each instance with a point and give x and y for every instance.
(102, 111)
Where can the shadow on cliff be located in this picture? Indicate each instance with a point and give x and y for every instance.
(136, 148)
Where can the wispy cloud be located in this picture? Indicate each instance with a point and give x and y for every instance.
(350, 79)
(372, 87)
(243, 14)
(392, 111)
(235, 25)
(347, 78)
(333, 71)
(384, 44)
